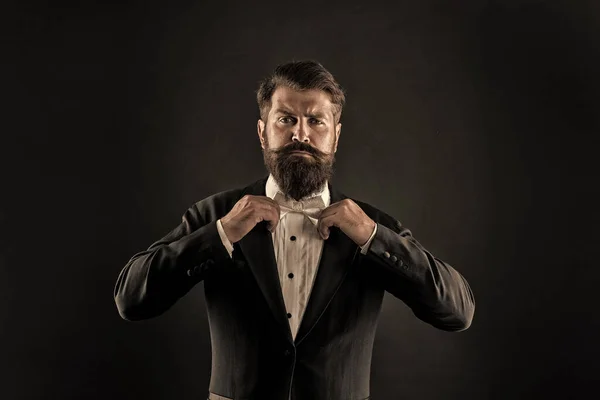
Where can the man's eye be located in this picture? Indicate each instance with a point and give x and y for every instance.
(285, 120)
(316, 121)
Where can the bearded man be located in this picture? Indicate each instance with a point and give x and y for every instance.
(294, 271)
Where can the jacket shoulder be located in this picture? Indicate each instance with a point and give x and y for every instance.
(380, 216)
(218, 204)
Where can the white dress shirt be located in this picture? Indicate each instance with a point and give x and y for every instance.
(298, 247)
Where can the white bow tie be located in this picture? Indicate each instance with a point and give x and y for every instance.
(311, 208)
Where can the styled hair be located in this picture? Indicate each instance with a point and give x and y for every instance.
(300, 75)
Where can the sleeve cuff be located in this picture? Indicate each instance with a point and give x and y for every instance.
(365, 247)
(226, 241)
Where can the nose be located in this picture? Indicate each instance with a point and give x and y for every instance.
(300, 133)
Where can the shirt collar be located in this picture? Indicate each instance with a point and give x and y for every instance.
(271, 189)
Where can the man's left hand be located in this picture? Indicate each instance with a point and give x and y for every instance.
(350, 218)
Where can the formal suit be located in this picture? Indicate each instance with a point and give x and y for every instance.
(254, 355)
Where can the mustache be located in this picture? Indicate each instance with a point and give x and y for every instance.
(298, 146)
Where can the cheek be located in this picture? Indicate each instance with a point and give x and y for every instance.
(327, 143)
(275, 138)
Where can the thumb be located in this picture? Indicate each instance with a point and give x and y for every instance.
(270, 227)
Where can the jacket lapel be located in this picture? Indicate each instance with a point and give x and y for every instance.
(257, 247)
(338, 253)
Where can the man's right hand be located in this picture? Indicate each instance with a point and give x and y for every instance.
(246, 213)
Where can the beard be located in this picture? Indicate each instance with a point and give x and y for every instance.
(298, 175)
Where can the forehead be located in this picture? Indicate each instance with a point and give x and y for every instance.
(301, 101)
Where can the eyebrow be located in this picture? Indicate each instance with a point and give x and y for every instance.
(283, 111)
(318, 114)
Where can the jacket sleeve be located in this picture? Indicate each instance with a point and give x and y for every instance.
(153, 280)
(436, 293)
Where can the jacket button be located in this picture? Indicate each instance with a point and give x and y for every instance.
(286, 353)
(198, 269)
(394, 259)
(386, 254)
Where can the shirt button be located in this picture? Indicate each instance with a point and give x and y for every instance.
(289, 315)
(293, 238)
(290, 275)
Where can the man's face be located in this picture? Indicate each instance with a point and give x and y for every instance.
(299, 121)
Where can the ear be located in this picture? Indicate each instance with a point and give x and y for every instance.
(338, 130)
(260, 128)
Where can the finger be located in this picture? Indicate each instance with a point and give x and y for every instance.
(270, 202)
(274, 211)
(323, 227)
(274, 219)
(327, 212)
(267, 211)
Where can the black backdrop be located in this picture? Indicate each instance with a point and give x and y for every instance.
(471, 122)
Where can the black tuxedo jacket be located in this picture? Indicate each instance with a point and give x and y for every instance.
(253, 353)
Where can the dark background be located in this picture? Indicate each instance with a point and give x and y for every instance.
(474, 123)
